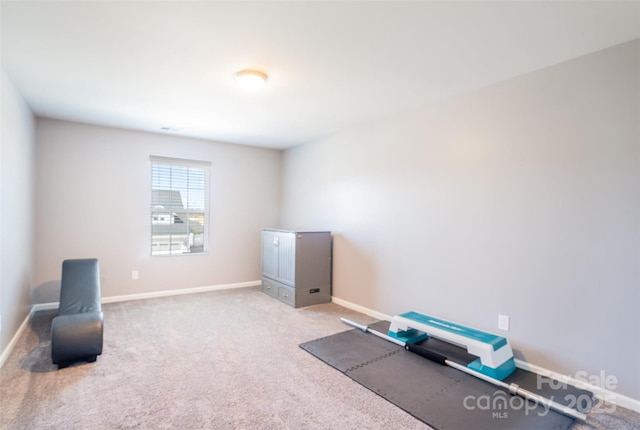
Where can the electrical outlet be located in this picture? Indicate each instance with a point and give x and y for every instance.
(134, 275)
(503, 322)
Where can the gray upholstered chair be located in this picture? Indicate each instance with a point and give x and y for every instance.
(76, 333)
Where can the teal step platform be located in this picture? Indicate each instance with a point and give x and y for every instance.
(495, 357)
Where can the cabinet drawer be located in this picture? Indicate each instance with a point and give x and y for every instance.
(286, 294)
(269, 287)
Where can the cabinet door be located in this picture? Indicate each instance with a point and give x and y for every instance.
(270, 254)
(286, 258)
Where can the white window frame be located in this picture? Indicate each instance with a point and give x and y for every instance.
(169, 182)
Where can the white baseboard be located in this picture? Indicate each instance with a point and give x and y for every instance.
(599, 392)
(124, 298)
(167, 293)
(14, 340)
(155, 294)
(44, 306)
(361, 309)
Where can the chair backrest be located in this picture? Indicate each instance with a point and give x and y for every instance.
(80, 286)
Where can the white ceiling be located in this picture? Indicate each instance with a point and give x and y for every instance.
(332, 65)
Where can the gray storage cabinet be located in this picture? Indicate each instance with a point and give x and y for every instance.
(296, 266)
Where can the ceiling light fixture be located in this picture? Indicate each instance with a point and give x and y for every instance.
(250, 80)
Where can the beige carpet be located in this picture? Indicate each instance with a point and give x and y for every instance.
(220, 360)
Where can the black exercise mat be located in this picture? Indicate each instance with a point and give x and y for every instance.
(440, 396)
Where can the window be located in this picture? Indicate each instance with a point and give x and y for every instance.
(179, 206)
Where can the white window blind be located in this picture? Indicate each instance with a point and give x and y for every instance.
(179, 206)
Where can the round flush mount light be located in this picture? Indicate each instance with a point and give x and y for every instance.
(250, 80)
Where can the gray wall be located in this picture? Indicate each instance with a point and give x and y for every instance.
(92, 200)
(16, 210)
(522, 199)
